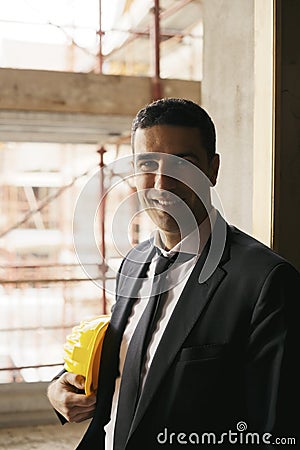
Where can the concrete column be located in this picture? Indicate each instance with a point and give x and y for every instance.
(237, 89)
(228, 96)
(263, 130)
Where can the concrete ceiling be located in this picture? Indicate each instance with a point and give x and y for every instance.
(29, 126)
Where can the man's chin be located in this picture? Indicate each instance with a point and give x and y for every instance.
(170, 224)
(164, 221)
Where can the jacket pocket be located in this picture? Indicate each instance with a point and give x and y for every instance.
(202, 352)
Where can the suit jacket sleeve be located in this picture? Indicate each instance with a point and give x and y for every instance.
(272, 373)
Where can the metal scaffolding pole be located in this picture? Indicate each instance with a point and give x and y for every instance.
(155, 35)
(103, 265)
(100, 32)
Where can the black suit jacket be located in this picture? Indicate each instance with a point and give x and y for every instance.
(228, 354)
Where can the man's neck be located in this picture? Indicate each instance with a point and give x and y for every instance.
(169, 240)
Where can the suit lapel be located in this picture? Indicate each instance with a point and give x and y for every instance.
(135, 269)
(194, 298)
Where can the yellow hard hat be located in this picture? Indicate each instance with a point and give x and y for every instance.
(82, 350)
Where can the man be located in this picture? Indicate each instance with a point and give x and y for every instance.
(212, 354)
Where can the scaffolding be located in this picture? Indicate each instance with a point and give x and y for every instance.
(44, 291)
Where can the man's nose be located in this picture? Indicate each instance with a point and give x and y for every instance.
(164, 179)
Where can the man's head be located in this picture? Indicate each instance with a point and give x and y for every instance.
(178, 112)
(173, 142)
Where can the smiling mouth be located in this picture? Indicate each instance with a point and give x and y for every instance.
(165, 203)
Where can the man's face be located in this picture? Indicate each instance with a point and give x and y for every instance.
(164, 181)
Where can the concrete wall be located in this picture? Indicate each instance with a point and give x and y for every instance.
(258, 133)
(228, 96)
(25, 404)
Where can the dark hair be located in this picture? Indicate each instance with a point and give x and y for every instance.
(178, 112)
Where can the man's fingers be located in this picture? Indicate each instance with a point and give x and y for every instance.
(71, 411)
(80, 400)
(82, 418)
(73, 380)
(79, 414)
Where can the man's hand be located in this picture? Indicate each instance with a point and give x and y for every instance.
(67, 396)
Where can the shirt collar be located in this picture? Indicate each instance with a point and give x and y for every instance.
(194, 242)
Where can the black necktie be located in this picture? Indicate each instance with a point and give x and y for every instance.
(130, 384)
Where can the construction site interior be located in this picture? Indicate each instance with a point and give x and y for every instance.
(73, 74)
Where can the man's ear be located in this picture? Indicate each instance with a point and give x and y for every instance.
(214, 169)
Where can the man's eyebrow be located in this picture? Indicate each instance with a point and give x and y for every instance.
(156, 155)
(186, 155)
(143, 156)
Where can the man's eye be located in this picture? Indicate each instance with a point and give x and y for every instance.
(147, 166)
(182, 162)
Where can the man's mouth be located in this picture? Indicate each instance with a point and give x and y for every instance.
(165, 203)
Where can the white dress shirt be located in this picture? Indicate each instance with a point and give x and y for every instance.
(176, 278)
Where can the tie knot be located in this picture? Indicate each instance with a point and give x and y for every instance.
(164, 262)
